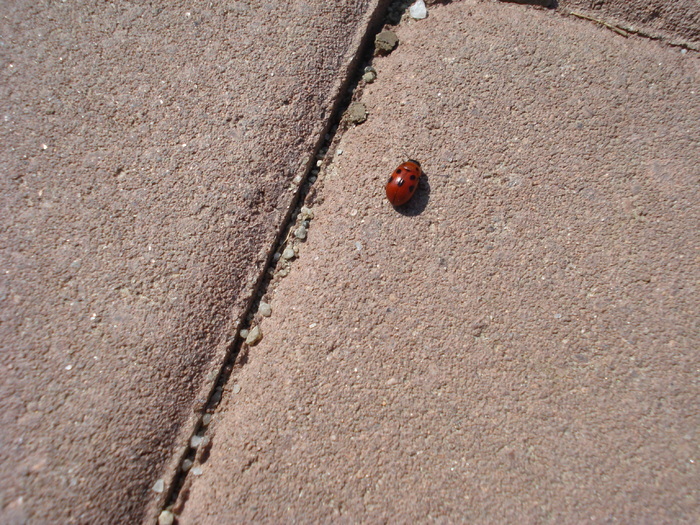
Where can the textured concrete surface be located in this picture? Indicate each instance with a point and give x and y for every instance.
(674, 22)
(149, 159)
(520, 343)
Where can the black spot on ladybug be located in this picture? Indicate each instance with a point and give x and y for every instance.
(399, 182)
(413, 177)
(398, 171)
(411, 188)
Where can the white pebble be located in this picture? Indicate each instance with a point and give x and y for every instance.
(418, 10)
(195, 441)
(236, 388)
(158, 486)
(206, 419)
(244, 333)
(300, 233)
(166, 518)
(186, 465)
(288, 253)
(265, 310)
(197, 471)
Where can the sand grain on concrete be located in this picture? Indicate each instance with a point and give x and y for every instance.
(520, 343)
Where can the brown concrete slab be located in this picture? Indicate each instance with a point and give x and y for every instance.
(151, 153)
(519, 344)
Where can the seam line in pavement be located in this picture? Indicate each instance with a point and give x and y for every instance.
(198, 446)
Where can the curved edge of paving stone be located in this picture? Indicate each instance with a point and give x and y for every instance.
(153, 153)
(674, 22)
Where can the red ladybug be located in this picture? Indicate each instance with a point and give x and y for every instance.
(403, 182)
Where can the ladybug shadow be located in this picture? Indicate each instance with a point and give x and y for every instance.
(420, 199)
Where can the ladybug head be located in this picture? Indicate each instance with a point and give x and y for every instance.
(414, 162)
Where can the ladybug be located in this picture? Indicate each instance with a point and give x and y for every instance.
(403, 182)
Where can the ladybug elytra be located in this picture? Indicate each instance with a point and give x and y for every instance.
(403, 182)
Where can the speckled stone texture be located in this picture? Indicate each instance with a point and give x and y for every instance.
(517, 345)
(148, 163)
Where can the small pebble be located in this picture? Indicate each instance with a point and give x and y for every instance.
(339, 152)
(312, 179)
(206, 419)
(357, 113)
(195, 441)
(284, 272)
(307, 213)
(197, 471)
(244, 333)
(254, 336)
(186, 465)
(385, 42)
(236, 388)
(166, 518)
(369, 76)
(418, 10)
(276, 256)
(265, 310)
(288, 253)
(158, 486)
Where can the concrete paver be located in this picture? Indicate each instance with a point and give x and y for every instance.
(151, 154)
(520, 343)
